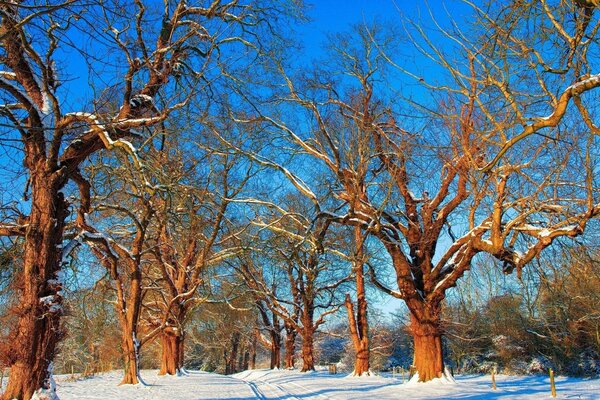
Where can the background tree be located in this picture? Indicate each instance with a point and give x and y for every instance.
(304, 258)
(126, 211)
(191, 236)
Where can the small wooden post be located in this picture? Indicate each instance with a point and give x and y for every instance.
(403, 375)
(552, 385)
(494, 378)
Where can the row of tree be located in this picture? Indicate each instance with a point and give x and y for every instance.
(237, 167)
(544, 321)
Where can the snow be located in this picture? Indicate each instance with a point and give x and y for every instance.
(289, 385)
(51, 302)
(48, 393)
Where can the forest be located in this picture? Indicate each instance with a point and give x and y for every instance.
(225, 186)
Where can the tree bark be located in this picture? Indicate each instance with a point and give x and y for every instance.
(231, 356)
(130, 312)
(290, 346)
(359, 336)
(359, 324)
(308, 359)
(172, 351)
(38, 329)
(130, 358)
(253, 353)
(427, 337)
(275, 349)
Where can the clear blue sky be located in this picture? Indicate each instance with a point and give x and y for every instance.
(338, 15)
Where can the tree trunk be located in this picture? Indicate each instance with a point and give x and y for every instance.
(181, 344)
(359, 324)
(38, 328)
(275, 349)
(359, 336)
(130, 358)
(129, 312)
(241, 357)
(246, 360)
(232, 355)
(427, 337)
(253, 353)
(290, 346)
(172, 351)
(308, 360)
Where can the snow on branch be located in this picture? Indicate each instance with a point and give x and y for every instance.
(100, 129)
(551, 120)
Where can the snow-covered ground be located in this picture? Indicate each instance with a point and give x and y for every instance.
(293, 385)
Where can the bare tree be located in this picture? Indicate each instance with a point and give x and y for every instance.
(529, 85)
(304, 259)
(126, 212)
(191, 236)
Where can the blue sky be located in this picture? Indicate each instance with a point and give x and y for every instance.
(338, 15)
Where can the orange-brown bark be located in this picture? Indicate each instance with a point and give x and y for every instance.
(428, 356)
(38, 329)
(308, 358)
(172, 352)
(359, 324)
(290, 346)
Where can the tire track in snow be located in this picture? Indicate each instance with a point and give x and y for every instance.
(264, 390)
(254, 389)
(307, 391)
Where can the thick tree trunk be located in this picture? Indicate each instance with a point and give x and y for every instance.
(231, 356)
(241, 357)
(130, 358)
(290, 346)
(275, 350)
(428, 356)
(172, 343)
(38, 328)
(308, 359)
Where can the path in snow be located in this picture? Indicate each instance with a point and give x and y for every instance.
(293, 385)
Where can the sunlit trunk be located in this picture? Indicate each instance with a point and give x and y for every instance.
(172, 343)
(130, 358)
(308, 359)
(358, 322)
(427, 337)
(38, 328)
(290, 346)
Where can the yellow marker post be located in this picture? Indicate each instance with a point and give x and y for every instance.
(552, 385)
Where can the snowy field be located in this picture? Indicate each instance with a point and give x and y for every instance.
(293, 385)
